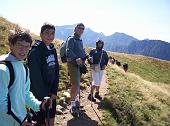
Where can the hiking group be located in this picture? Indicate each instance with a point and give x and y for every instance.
(29, 75)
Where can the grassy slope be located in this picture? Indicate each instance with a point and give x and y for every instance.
(150, 69)
(5, 27)
(134, 101)
(4, 30)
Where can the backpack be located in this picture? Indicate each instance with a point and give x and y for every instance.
(12, 78)
(63, 48)
(63, 52)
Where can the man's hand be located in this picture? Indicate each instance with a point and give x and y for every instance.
(53, 96)
(47, 102)
(25, 123)
(90, 59)
(78, 61)
(103, 67)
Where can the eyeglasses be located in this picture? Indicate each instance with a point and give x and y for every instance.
(20, 46)
(49, 32)
(82, 28)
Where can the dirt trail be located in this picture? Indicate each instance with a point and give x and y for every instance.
(91, 115)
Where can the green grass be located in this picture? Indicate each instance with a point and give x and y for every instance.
(135, 102)
(150, 69)
(3, 50)
(64, 80)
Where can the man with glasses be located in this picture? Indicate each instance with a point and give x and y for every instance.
(15, 83)
(76, 57)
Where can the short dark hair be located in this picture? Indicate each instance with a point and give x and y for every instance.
(47, 26)
(19, 36)
(99, 41)
(80, 25)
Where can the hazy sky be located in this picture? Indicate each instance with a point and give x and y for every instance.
(139, 18)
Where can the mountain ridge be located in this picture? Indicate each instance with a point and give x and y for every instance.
(119, 42)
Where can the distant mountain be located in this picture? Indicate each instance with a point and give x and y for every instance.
(62, 32)
(89, 37)
(153, 48)
(119, 42)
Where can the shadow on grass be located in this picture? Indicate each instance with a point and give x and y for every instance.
(120, 113)
(105, 104)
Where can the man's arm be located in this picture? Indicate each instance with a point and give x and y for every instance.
(30, 100)
(35, 71)
(4, 82)
(90, 61)
(106, 58)
(55, 85)
(71, 56)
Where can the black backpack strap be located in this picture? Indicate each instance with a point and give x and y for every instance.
(11, 72)
(26, 70)
(12, 78)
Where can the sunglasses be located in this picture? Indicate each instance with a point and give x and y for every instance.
(82, 28)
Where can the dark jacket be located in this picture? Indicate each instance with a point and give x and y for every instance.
(96, 54)
(75, 49)
(44, 70)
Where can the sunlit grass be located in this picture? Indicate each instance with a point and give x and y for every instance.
(150, 69)
(136, 101)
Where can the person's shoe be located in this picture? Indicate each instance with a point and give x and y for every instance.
(97, 96)
(91, 98)
(77, 104)
(74, 111)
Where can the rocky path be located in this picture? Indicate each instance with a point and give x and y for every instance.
(91, 113)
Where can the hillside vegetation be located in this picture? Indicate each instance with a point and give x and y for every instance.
(5, 27)
(140, 97)
(150, 69)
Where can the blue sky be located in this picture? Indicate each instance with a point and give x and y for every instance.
(139, 18)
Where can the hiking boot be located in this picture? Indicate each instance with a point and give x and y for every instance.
(74, 111)
(91, 98)
(98, 96)
(77, 104)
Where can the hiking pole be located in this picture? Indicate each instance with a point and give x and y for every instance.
(98, 116)
(29, 117)
(91, 79)
(77, 99)
(47, 109)
(78, 93)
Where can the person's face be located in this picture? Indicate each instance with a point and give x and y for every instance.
(47, 36)
(100, 44)
(20, 49)
(79, 30)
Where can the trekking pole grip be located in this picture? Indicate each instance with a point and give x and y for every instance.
(47, 104)
(29, 117)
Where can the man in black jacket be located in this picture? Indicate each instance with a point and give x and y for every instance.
(44, 71)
